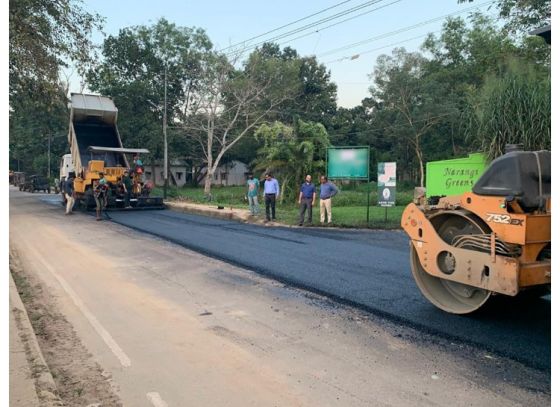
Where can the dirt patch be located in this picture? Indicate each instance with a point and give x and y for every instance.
(80, 381)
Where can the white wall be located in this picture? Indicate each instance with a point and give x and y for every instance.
(233, 173)
(178, 171)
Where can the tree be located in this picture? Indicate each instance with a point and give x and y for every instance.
(414, 101)
(523, 15)
(138, 64)
(228, 104)
(316, 93)
(44, 36)
(291, 153)
(33, 126)
(513, 108)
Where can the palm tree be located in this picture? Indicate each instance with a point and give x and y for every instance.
(291, 154)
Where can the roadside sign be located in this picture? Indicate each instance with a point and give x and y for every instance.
(453, 177)
(386, 183)
(348, 163)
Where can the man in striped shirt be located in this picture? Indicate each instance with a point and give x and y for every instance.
(271, 192)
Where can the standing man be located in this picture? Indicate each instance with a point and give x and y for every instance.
(271, 192)
(100, 191)
(69, 193)
(63, 189)
(127, 186)
(328, 190)
(253, 194)
(306, 201)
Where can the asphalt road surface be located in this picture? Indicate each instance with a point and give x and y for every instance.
(367, 269)
(123, 316)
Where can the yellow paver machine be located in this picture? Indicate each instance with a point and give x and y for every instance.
(96, 147)
(492, 239)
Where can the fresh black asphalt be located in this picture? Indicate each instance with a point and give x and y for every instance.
(367, 269)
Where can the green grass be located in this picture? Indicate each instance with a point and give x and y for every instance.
(349, 206)
(347, 216)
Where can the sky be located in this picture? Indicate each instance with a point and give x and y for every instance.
(232, 22)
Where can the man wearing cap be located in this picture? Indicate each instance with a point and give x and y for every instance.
(307, 194)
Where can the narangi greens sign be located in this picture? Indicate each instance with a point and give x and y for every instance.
(453, 177)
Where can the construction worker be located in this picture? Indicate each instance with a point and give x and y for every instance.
(69, 193)
(100, 191)
(127, 186)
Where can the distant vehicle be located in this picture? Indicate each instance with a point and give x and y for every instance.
(18, 179)
(36, 183)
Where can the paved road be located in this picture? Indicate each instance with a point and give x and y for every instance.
(166, 326)
(368, 269)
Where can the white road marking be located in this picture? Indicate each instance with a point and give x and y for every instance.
(107, 338)
(155, 399)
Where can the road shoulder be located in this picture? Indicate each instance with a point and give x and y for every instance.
(31, 381)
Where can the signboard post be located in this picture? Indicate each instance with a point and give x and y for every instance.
(386, 185)
(349, 163)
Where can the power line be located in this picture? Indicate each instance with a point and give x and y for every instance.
(404, 29)
(380, 48)
(309, 26)
(287, 25)
(356, 56)
(340, 22)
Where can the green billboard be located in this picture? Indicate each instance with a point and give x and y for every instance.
(453, 177)
(348, 162)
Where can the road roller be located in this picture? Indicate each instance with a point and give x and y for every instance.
(493, 239)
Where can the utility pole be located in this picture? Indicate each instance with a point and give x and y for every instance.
(49, 157)
(165, 169)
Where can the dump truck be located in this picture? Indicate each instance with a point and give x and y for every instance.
(96, 147)
(494, 238)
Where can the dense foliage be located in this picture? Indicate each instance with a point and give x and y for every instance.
(475, 86)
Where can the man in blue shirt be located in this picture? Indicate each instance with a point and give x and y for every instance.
(306, 201)
(271, 192)
(328, 190)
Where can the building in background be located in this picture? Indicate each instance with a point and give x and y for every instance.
(180, 173)
(232, 173)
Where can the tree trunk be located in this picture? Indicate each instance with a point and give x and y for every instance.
(420, 164)
(173, 180)
(283, 190)
(208, 182)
